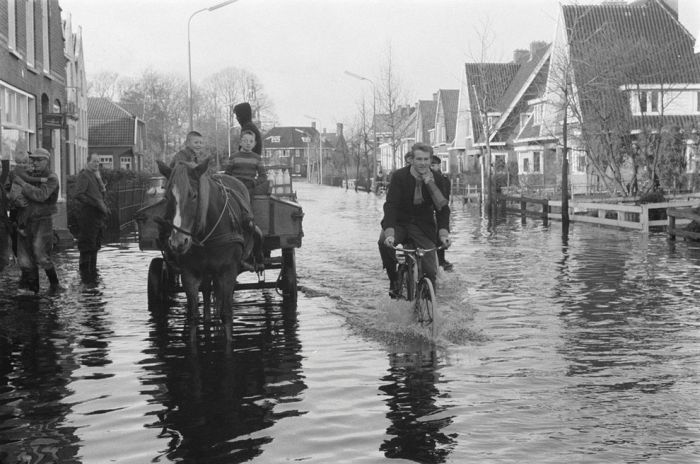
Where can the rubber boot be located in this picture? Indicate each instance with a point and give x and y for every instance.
(93, 264)
(33, 280)
(54, 285)
(84, 265)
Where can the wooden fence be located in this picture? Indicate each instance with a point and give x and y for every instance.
(630, 216)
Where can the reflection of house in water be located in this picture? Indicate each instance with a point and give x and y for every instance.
(212, 401)
(411, 399)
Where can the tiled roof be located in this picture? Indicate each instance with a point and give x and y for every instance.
(660, 48)
(427, 110)
(449, 99)
(289, 136)
(490, 81)
(637, 43)
(528, 83)
(109, 124)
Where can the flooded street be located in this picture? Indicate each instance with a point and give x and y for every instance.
(546, 349)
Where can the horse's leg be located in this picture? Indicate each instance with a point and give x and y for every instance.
(206, 297)
(224, 289)
(191, 283)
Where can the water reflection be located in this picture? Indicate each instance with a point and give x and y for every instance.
(416, 418)
(35, 368)
(214, 399)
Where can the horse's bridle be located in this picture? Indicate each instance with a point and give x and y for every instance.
(202, 242)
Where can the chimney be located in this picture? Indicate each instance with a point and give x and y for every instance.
(313, 124)
(536, 47)
(521, 56)
(339, 129)
(435, 97)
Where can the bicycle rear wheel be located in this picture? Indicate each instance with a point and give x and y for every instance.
(405, 282)
(425, 302)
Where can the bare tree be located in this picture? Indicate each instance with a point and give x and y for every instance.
(104, 85)
(393, 107)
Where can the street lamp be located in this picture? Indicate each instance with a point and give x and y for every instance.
(320, 149)
(374, 117)
(189, 51)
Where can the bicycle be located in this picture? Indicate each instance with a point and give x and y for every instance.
(413, 284)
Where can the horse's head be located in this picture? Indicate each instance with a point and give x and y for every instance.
(184, 190)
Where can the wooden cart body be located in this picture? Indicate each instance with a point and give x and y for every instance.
(280, 221)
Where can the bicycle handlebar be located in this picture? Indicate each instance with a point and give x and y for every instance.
(418, 250)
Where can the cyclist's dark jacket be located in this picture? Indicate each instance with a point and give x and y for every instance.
(400, 210)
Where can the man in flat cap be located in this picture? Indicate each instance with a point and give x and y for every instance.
(34, 247)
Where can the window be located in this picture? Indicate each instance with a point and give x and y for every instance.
(45, 49)
(642, 102)
(275, 139)
(526, 165)
(499, 162)
(536, 161)
(692, 160)
(29, 16)
(12, 25)
(17, 121)
(125, 162)
(107, 161)
(697, 102)
(654, 101)
(579, 161)
(649, 101)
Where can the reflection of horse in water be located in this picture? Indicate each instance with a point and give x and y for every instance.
(211, 233)
(217, 404)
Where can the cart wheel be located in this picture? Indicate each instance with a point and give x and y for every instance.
(288, 275)
(158, 283)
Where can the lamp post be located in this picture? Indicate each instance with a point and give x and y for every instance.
(374, 117)
(189, 51)
(320, 149)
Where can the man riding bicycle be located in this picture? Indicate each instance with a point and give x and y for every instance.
(415, 210)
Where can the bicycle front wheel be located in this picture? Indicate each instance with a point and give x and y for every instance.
(405, 282)
(425, 302)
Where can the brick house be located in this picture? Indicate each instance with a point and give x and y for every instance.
(33, 86)
(76, 96)
(115, 134)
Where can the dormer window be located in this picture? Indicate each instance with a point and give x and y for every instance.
(649, 101)
(275, 139)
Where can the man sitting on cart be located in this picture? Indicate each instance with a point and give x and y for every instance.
(415, 210)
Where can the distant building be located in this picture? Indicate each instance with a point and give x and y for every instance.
(115, 134)
(76, 94)
(293, 146)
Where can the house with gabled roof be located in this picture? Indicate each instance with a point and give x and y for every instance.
(624, 75)
(115, 134)
(443, 132)
(293, 146)
(425, 119)
(481, 89)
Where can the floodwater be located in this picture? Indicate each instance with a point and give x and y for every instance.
(581, 349)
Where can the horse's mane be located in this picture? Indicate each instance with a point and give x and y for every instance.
(180, 177)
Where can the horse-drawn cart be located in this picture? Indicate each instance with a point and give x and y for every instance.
(280, 221)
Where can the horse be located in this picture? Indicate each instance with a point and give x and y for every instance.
(211, 235)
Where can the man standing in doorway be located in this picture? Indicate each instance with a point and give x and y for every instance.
(35, 245)
(89, 193)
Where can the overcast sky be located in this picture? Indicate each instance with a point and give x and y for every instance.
(300, 48)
